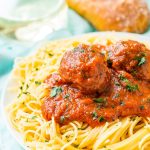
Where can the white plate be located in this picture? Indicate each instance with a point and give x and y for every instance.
(8, 96)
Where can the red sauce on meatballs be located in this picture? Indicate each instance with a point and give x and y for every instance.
(85, 67)
(94, 89)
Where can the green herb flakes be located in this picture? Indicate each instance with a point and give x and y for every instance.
(33, 117)
(55, 91)
(117, 83)
(94, 115)
(25, 93)
(27, 86)
(141, 59)
(132, 88)
(117, 95)
(37, 82)
(133, 72)
(109, 62)
(113, 106)
(62, 119)
(82, 51)
(122, 103)
(19, 95)
(101, 119)
(142, 107)
(100, 100)
(50, 54)
(66, 96)
(21, 88)
(122, 78)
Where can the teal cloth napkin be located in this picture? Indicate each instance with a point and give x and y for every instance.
(10, 49)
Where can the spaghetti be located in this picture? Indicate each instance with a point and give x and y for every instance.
(26, 117)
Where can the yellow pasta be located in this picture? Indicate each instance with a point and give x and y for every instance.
(25, 112)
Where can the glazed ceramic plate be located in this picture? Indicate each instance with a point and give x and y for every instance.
(8, 96)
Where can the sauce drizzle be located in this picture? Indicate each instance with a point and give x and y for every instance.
(123, 95)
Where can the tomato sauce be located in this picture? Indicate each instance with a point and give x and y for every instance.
(124, 96)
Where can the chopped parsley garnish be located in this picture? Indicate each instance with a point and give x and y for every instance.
(117, 83)
(76, 146)
(76, 49)
(82, 128)
(22, 83)
(94, 115)
(122, 78)
(62, 119)
(55, 91)
(109, 62)
(141, 59)
(19, 95)
(112, 106)
(129, 87)
(50, 54)
(148, 100)
(33, 117)
(25, 92)
(133, 119)
(101, 119)
(117, 95)
(31, 80)
(37, 82)
(46, 140)
(100, 100)
(82, 51)
(98, 107)
(122, 103)
(84, 75)
(132, 88)
(27, 86)
(21, 88)
(67, 105)
(133, 72)
(66, 96)
(141, 107)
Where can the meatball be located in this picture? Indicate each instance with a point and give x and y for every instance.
(132, 57)
(118, 15)
(85, 68)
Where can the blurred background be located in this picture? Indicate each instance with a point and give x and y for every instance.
(24, 26)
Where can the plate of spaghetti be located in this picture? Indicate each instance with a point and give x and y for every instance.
(90, 92)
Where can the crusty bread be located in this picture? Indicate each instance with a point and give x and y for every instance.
(117, 15)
